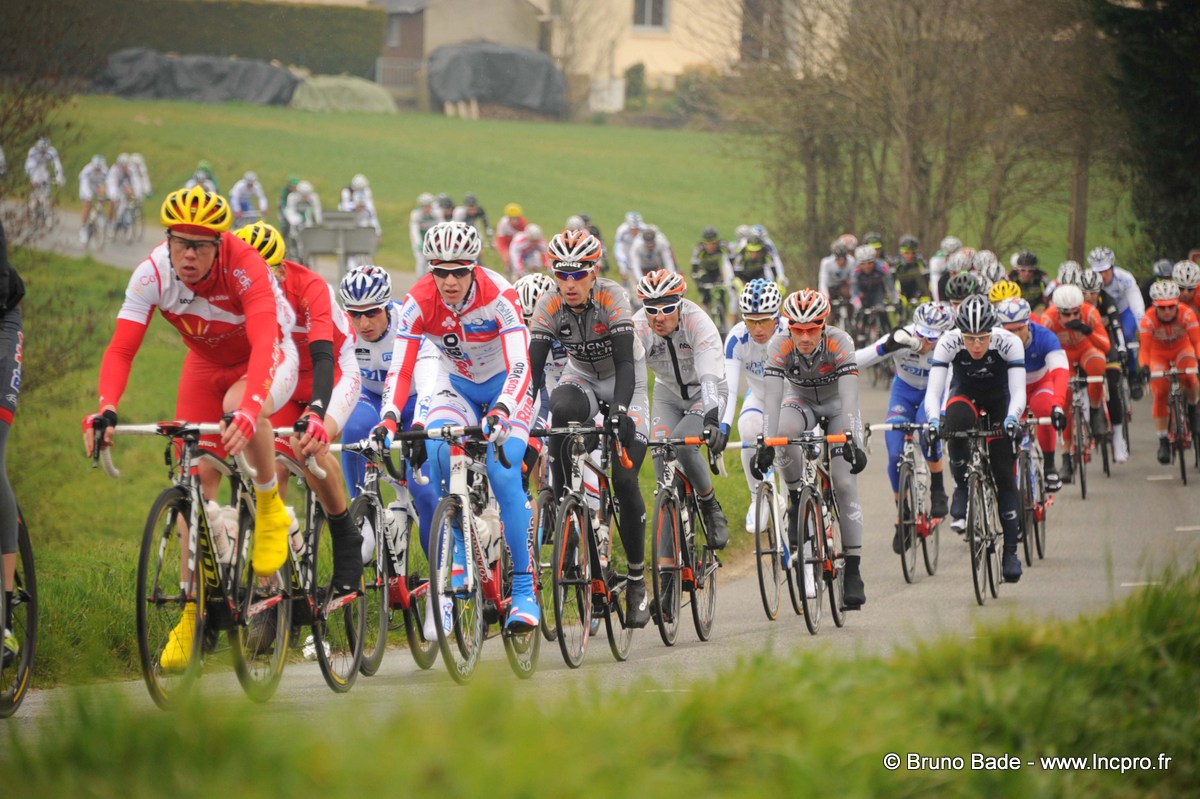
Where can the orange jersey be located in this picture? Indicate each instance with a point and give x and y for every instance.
(1072, 340)
(1158, 337)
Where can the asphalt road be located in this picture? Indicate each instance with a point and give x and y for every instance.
(1099, 551)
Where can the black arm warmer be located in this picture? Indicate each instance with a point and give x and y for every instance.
(622, 345)
(538, 351)
(322, 385)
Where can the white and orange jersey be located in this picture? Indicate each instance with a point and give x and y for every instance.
(483, 337)
(1157, 336)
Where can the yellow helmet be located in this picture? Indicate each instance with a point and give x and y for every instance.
(197, 211)
(1004, 290)
(264, 238)
(513, 210)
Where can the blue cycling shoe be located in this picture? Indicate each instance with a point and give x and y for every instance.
(525, 614)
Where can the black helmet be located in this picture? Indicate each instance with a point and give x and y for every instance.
(1163, 269)
(708, 234)
(874, 239)
(649, 235)
(470, 199)
(962, 285)
(1026, 258)
(909, 242)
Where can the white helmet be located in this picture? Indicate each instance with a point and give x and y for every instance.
(533, 232)
(123, 159)
(1186, 274)
(451, 241)
(864, 252)
(987, 264)
(366, 286)
(424, 198)
(358, 182)
(958, 262)
(1068, 272)
(950, 245)
(633, 219)
(1067, 297)
(743, 231)
(1013, 311)
(1164, 292)
(530, 288)
(250, 177)
(304, 187)
(1089, 281)
(574, 223)
(1101, 259)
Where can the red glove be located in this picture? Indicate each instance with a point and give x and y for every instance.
(244, 422)
(316, 429)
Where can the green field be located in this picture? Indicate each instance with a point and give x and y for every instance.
(679, 180)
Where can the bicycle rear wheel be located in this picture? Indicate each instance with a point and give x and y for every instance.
(620, 636)
(571, 579)
(367, 515)
(835, 571)
(1042, 514)
(665, 571)
(767, 549)
(521, 648)
(340, 623)
(462, 644)
(416, 581)
(977, 537)
(1025, 479)
(1177, 425)
(906, 510)
(810, 560)
(1081, 450)
(163, 597)
(704, 584)
(544, 546)
(21, 618)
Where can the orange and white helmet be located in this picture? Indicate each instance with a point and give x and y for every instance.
(574, 247)
(806, 307)
(661, 284)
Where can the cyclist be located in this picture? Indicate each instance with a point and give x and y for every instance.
(876, 242)
(985, 366)
(958, 263)
(833, 279)
(754, 260)
(242, 198)
(358, 199)
(443, 207)
(1025, 273)
(1046, 374)
(1123, 289)
(811, 375)
(649, 252)
(776, 263)
(42, 156)
(118, 184)
(1162, 270)
(12, 291)
(203, 177)
(937, 263)
(327, 388)
(711, 268)
(985, 264)
(288, 187)
(528, 252)
(93, 188)
(472, 213)
(605, 372)
(911, 273)
(1118, 353)
(420, 220)
(1170, 337)
(1186, 275)
(512, 223)
(303, 208)
(218, 292)
(683, 350)
(141, 176)
(871, 283)
(1081, 332)
(960, 286)
(472, 316)
(911, 348)
(746, 353)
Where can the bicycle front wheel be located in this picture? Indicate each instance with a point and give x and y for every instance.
(977, 537)
(339, 626)
(1177, 425)
(522, 648)
(768, 549)
(1041, 505)
(367, 515)
(1081, 450)
(170, 605)
(462, 643)
(415, 580)
(835, 570)
(544, 546)
(16, 670)
(703, 589)
(1025, 488)
(809, 561)
(571, 580)
(665, 573)
(906, 522)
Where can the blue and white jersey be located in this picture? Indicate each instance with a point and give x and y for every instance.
(1125, 293)
(1001, 371)
(743, 356)
(1043, 355)
(911, 366)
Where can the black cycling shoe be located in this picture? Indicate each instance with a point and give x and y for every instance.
(714, 523)
(637, 609)
(938, 504)
(1068, 469)
(856, 594)
(1099, 425)
(347, 563)
(1012, 567)
(1135, 390)
(1053, 481)
(1164, 451)
(897, 542)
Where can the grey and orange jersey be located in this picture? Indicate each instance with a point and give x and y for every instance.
(826, 382)
(689, 361)
(586, 335)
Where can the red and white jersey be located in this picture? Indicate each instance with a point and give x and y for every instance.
(234, 316)
(318, 318)
(483, 337)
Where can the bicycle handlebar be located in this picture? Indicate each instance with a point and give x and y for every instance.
(804, 438)
(447, 433)
(173, 429)
(299, 429)
(545, 432)
(1173, 372)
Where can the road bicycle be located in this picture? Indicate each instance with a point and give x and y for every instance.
(841, 314)
(1079, 432)
(717, 305)
(338, 620)
(95, 229)
(20, 618)
(919, 529)
(680, 562)
(469, 563)
(189, 565)
(1035, 498)
(1179, 431)
(128, 224)
(43, 217)
(983, 512)
(585, 585)
(773, 558)
(870, 325)
(397, 577)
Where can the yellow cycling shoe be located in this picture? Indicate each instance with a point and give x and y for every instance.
(270, 533)
(178, 651)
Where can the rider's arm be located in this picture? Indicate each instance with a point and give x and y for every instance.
(823, 277)
(872, 354)
(1059, 370)
(709, 362)
(539, 350)
(262, 198)
(625, 366)
(514, 337)
(414, 232)
(727, 272)
(1146, 337)
(316, 313)
(1133, 296)
(259, 304)
(1011, 349)
(1192, 325)
(939, 369)
(778, 349)
(889, 284)
(398, 383)
(668, 255)
(733, 374)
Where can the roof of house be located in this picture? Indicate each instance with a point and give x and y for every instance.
(402, 6)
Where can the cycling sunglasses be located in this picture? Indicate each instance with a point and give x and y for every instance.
(661, 310)
(563, 271)
(806, 328)
(370, 313)
(202, 246)
(461, 268)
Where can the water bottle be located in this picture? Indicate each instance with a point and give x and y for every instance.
(490, 533)
(922, 491)
(603, 542)
(396, 519)
(218, 531)
(298, 538)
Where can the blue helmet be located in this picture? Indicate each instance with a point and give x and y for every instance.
(933, 318)
(760, 296)
(1013, 312)
(366, 286)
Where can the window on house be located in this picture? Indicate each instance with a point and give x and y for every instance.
(393, 31)
(650, 14)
